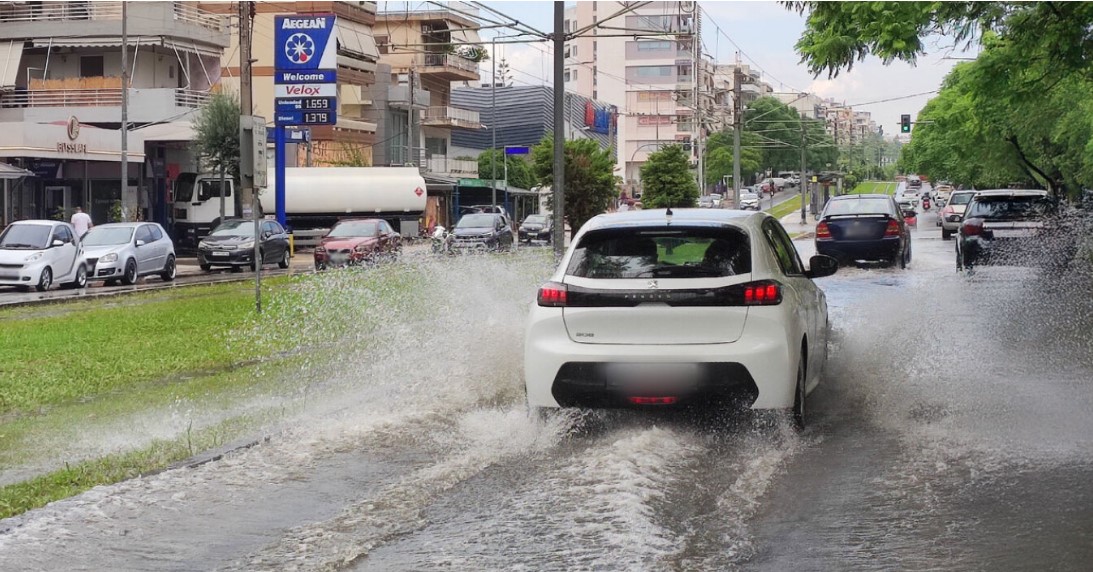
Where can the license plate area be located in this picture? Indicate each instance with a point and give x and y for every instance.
(653, 378)
(218, 253)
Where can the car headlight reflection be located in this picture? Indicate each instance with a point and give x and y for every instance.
(112, 257)
(33, 257)
(247, 245)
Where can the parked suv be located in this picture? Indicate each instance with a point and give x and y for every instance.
(482, 231)
(37, 253)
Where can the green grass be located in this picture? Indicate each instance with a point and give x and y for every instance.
(784, 208)
(871, 187)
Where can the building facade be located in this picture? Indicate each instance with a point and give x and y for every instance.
(61, 102)
(349, 142)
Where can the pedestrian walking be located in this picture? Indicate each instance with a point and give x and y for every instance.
(81, 221)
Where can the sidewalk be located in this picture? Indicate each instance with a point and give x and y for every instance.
(796, 230)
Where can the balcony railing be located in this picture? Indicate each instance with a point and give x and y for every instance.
(442, 164)
(60, 11)
(451, 61)
(187, 12)
(452, 117)
(106, 97)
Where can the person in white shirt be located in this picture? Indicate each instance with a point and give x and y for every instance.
(81, 221)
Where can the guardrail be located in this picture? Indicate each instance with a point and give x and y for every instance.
(187, 12)
(191, 98)
(62, 98)
(451, 60)
(452, 116)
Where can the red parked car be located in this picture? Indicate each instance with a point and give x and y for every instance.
(353, 242)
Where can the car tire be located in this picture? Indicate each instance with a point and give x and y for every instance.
(320, 267)
(283, 263)
(169, 269)
(80, 281)
(946, 234)
(798, 413)
(45, 280)
(129, 277)
(205, 267)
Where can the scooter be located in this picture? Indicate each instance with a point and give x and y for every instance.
(926, 204)
(441, 240)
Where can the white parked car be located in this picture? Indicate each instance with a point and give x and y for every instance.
(39, 253)
(128, 250)
(680, 308)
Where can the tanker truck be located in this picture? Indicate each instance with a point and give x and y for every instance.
(315, 197)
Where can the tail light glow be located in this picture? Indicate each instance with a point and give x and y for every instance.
(553, 295)
(653, 400)
(762, 293)
(972, 227)
(892, 229)
(823, 232)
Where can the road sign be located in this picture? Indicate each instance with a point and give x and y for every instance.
(306, 104)
(303, 43)
(517, 150)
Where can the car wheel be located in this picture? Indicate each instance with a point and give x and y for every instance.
(798, 413)
(946, 234)
(81, 278)
(205, 267)
(130, 276)
(169, 269)
(284, 260)
(45, 280)
(319, 267)
(906, 259)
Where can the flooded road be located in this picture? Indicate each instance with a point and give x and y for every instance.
(951, 432)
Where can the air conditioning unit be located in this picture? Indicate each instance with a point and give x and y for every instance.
(687, 7)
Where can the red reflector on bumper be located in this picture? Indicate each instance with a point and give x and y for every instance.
(653, 400)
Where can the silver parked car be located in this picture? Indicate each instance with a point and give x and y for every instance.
(128, 250)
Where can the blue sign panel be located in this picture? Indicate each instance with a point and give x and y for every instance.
(306, 117)
(513, 150)
(306, 104)
(304, 43)
(316, 76)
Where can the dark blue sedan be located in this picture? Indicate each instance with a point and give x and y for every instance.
(864, 227)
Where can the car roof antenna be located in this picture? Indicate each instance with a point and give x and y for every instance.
(668, 215)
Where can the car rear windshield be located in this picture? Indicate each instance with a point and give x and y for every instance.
(961, 198)
(677, 252)
(1010, 207)
(863, 206)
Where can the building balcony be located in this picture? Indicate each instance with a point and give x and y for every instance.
(98, 105)
(459, 168)
(73, 22)
(398, 98)
(451, 117)
(449, 67)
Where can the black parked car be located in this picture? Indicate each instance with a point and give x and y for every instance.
(1015, 227)
(231, 244)
(482, 231)
(864, 227)
(536, 227)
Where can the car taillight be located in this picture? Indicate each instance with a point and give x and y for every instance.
(892, 229)
(553, 295)
(822, 231)
(320, 250)
(762, 293)
(972, 227)
(667, 400)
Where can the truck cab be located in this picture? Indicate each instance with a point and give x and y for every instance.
(196, 206)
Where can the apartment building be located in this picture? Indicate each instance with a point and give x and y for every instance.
(650, 79)
(350, 140)
(61, 103)
(427, 50)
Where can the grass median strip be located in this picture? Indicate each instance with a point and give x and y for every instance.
(874, 187)
(786, 207)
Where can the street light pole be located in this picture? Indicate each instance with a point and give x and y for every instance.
(493, 128)
(559, 135)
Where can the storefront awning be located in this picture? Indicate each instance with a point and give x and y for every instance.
(10, 172)
(115, 41)
(465, 36)
(11, 53)
(356, 40)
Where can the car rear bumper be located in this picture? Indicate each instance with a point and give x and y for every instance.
(879, 249)
(757, 371)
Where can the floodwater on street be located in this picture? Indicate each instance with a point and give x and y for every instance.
(951, 431)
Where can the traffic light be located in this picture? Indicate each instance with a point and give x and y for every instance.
(905, 123)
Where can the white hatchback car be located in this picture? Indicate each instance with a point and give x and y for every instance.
(687, 308)
(39, 253)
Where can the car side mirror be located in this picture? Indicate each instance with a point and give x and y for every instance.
(57, 242)
(821, 265)
(141, 242)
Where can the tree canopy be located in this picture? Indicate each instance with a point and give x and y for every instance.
(519, 171)
(590, 183)
(666, 179)
(217, 129)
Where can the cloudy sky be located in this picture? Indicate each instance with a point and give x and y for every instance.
(765, 33)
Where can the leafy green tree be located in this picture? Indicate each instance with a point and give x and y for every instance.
(519, 170)
(590, 183)
(666, 179)
(719, 155)
(217, 141)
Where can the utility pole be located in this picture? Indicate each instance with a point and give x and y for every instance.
(804, 177)
(737, 125)
(696, 51)
(559, 124)
(246, 105)
(493, 128)
(410, 121)
(125, 111)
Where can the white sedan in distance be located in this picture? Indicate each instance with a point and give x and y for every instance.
(684, 308)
